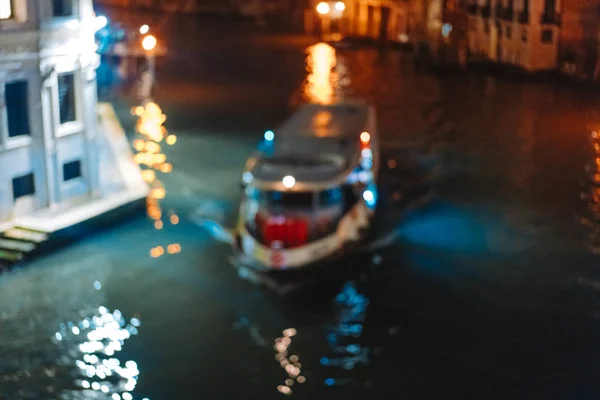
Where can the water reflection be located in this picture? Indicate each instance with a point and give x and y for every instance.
(327, 75)
(344, 338)
(151, 132)
(591, 195)
(94, 341)
(290, 363)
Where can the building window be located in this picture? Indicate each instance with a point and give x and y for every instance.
(23, 186)
(71, 170)
(524, 36)
(66, 97)
(6, 9)
(17, 108)
(547, 36)
(508, 32)
(486, 27)
(524, 16)
(62, 8)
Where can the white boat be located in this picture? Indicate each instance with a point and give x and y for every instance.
(310, 190)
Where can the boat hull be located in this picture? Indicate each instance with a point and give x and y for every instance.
(352, 230)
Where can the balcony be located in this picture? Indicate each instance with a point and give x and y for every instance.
(552, 18)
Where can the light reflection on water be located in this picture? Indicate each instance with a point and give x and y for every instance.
(290, 363)
(326, 75)
(344, 338)
(78, 358)
(591, 196)
(150, 134)
(94, 342)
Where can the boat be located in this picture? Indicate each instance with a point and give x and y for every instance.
(310, 189)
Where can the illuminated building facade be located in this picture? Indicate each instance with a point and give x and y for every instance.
(171, 5)
(580, 38)
(48, 106)
(524, 33)
(381, 20)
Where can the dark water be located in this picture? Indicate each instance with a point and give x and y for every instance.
(490, 290)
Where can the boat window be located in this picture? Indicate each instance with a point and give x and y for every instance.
(330, 197)
(351, 196)
(289, 199)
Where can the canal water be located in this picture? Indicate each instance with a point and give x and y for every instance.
(487, 290)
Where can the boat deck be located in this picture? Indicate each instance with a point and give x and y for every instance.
(316, 144)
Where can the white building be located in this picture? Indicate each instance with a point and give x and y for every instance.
(48, 103)
(51, 149)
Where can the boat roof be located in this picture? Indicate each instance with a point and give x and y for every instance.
(316, 144)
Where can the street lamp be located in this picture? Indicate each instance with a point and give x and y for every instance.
(323, 8)
(144, 29)
(340, 6)
(149, 43)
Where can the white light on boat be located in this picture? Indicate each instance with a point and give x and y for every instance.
(101, 22)
(364, 176)
(367, 163)
(370, 198)
(144, 29)
(288, 181)
(340, 6)
(247, 177)
(269, 136)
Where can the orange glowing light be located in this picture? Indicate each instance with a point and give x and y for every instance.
(323, 8)
(171, 140)
(392, 164)
(166, 168)
(149, 43)
(139, 144)
(321, 81)
(138, 158)
(284, 389)
(152, 147)
(159, 158)
(157, 252)
(365, 137)
(154, 213)
(174, 248)
(158, 225)
(174, 219)
(149, 175)
(158, 193)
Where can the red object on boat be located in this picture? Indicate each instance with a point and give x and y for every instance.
(291, 232)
